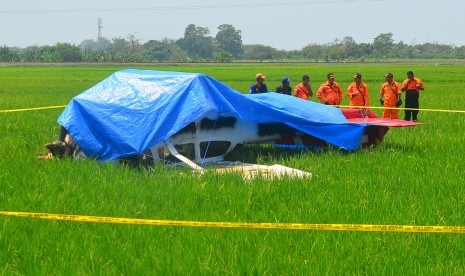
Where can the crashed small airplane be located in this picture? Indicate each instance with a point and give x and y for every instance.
(196, 119)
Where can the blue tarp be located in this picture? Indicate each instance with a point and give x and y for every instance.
(133, 110)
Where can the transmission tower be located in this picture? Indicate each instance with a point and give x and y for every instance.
(100, 27)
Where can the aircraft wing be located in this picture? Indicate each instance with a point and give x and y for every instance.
(383, 122)
(354, 115)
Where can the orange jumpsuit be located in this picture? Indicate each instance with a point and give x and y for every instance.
(390, 93)
(332, 94)
(358, 94)
(302, 91)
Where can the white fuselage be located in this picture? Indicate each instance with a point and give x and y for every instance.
(211, 137)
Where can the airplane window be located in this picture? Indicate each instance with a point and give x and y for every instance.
(215, 148)
(188, 150)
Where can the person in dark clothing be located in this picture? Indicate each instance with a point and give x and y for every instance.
(285, 88)
(258, 86)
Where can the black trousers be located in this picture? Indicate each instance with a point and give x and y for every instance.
(411, 101)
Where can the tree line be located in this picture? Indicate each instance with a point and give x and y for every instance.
(197, 45)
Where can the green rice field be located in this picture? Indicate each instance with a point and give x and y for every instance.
(415, 177)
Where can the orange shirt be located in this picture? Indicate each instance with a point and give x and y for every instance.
(302, 91)
(330, 93)
(358, 94)
(390, 93)
(412, 84)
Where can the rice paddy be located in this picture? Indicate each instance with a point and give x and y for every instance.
(415, 177)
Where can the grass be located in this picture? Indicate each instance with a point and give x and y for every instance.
(415, 177)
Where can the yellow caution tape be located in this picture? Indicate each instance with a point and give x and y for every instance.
(287, 226)
(345, 106)
(33, 108)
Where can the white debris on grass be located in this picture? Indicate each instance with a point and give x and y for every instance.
(251, 171)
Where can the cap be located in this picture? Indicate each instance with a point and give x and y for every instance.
(409, 73)
(286, 80)
(259, 76)
(358, 75)
(389, 75)
(330, 75)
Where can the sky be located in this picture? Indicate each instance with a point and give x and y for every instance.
(285, 24)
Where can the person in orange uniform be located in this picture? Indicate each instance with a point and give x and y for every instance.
(358, 92)
(330, 92)
(304, 90)
(390, 97)
(412, 86)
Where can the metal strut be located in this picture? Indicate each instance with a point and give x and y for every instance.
(181, 157)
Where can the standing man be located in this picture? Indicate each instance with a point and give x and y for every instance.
(412, 86)
(390, 97)
(330, 92)
(285, 88)
(304, 90)
(358, 92)
(258, 86)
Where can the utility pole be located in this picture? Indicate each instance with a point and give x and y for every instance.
(100, 27)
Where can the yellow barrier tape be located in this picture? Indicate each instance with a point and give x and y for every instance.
(345, 106)
(32, 108)
(287, 226)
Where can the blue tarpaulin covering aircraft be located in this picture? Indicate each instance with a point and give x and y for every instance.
(133, 110)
